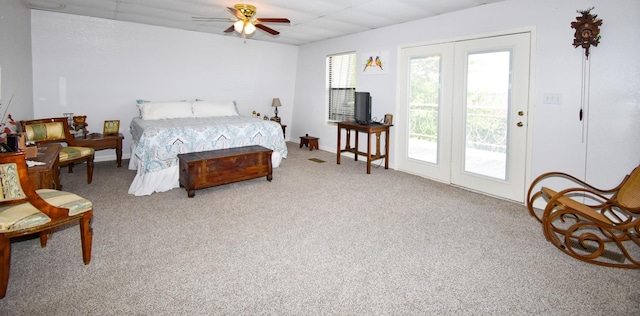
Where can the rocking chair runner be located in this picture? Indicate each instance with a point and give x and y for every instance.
(603, 230)
(24, 211)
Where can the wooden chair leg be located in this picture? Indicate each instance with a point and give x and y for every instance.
(70, 168)
(86, 236)
(44, 237)
(89, 171)
(5, 262)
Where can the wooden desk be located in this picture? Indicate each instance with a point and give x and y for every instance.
(369, 130)
(100, 142)
(46, 176)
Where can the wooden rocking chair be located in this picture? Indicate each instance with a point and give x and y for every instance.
(594, 225)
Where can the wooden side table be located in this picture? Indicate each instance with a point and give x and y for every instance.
(374, 129)
(100, 142)
(284, 130)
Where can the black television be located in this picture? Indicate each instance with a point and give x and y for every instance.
(362, 108)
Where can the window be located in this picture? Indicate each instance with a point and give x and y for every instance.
(341, 86)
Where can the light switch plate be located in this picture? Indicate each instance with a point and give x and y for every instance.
(552, 98)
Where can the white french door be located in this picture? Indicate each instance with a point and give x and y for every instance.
(425, 113)
(463, 108)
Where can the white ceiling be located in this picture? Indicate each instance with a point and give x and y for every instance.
(311, 20)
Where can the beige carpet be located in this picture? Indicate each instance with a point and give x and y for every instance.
(320, 239)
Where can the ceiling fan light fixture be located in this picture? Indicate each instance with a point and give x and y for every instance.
(246, 9)
(249, 28)
(243, 20)
(238, 26)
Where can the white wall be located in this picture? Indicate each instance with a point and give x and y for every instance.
(613, 132)
(15, 59)
(105, 65)
(99, 67)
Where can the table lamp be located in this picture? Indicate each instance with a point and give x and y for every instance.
(276, 103)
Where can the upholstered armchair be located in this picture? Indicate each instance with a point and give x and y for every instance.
(24, 211)
(599, 226)
(56, 130)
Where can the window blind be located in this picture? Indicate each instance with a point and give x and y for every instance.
(341, 86)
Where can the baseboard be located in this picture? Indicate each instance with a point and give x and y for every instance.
(110, 157)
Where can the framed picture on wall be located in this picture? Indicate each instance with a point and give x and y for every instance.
(111, 127)
(374, 63)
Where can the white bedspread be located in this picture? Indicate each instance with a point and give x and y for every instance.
(157, 143)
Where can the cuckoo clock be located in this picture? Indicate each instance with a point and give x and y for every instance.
(587, 28)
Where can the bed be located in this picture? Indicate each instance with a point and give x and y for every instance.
(166, 129)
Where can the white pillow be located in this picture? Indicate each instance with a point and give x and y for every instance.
(165, 110)
(212, 108)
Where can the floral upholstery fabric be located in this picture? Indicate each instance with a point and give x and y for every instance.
(54, 131)
(20, 216)
(45, 131)
(10, 183)
(71, 152)
(25, 215)
(74, 203)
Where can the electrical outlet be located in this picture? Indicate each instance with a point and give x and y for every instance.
(552, 98)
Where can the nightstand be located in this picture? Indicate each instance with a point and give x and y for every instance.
(284, 130)
(100, 142)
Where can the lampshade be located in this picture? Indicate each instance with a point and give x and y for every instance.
(238, 25)
(276, 102)
(249, 28)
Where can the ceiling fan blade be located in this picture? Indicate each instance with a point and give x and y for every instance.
(203, 18)
(229, 29)
(267, 29)
(237, 13)
(273, 20)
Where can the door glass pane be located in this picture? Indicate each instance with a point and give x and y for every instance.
(488, 82)
(424, 99)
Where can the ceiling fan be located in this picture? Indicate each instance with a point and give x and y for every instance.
(244, 22)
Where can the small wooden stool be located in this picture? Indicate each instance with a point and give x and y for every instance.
(309, 141)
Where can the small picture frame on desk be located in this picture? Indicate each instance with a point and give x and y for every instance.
(111, 127)
(388, 119)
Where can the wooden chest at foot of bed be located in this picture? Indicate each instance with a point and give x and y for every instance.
(206, 169)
